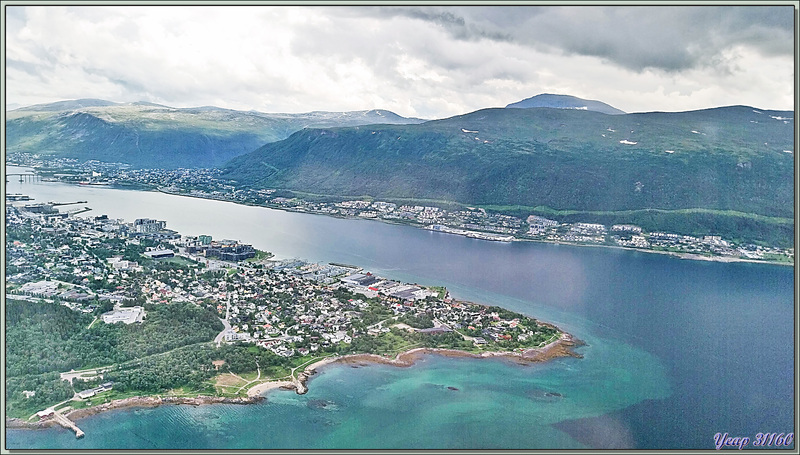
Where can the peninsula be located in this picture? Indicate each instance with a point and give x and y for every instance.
(102, 312)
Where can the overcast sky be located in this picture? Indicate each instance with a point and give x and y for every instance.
(428, 62)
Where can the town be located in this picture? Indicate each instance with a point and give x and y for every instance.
(467, 221)
(115, 270)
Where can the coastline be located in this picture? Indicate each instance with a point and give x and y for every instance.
(686, 256)
(138, 402)
(557, 348)
(675, 254)
(563, 347)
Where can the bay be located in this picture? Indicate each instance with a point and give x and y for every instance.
(677, 351)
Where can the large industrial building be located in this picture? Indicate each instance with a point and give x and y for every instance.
(127, 315)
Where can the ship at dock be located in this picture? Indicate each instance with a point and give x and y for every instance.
(471, 234)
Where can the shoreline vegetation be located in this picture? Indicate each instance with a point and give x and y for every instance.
(686, 256)
(562, 347)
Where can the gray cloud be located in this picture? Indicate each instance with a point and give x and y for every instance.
(126, 84)
(32, 69)
(665, 38)
(455, 24)
(672, 39)
(418, 61)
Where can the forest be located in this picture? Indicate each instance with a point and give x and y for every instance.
(44, 339)
(47, 337)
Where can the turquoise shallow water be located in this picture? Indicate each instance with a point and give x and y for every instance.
(439, 402)
(677, 350)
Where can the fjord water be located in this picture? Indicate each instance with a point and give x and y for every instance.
(677, 350)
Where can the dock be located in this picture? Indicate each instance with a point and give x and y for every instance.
(18, 197)
(66, 423)
(66, 203)
(78, 211)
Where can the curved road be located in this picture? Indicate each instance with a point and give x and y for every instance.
(218, 339)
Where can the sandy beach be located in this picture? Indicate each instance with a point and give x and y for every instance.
(259, 389)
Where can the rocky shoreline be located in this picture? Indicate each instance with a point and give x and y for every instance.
(15, 423)
(560, 348)
(563, 347)
(139, 402)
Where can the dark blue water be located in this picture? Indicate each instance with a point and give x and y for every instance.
(678, 350)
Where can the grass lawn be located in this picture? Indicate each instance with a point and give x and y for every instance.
(66, 405)
(441, 290)
(228, 380)
(778, 258)
(260, 256)
(249, 376)
(81, 404)
(178, 260)
(111, 395)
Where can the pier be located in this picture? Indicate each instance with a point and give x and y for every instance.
(66, 203)
(25, 177)
(66, 423)
(77, 211)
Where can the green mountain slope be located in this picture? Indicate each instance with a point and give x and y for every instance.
(150, 135)
(732, 158)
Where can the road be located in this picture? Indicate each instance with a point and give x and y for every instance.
(218, 339)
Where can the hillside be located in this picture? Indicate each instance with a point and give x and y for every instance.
(726, 159)
(565, 102)
(150, 135)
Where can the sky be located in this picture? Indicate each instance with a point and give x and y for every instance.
(417, 61)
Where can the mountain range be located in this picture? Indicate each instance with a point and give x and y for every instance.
(727, 170)
(580, 160)
(149, 135)
(724, 170)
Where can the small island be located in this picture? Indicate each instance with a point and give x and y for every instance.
(103, 314)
